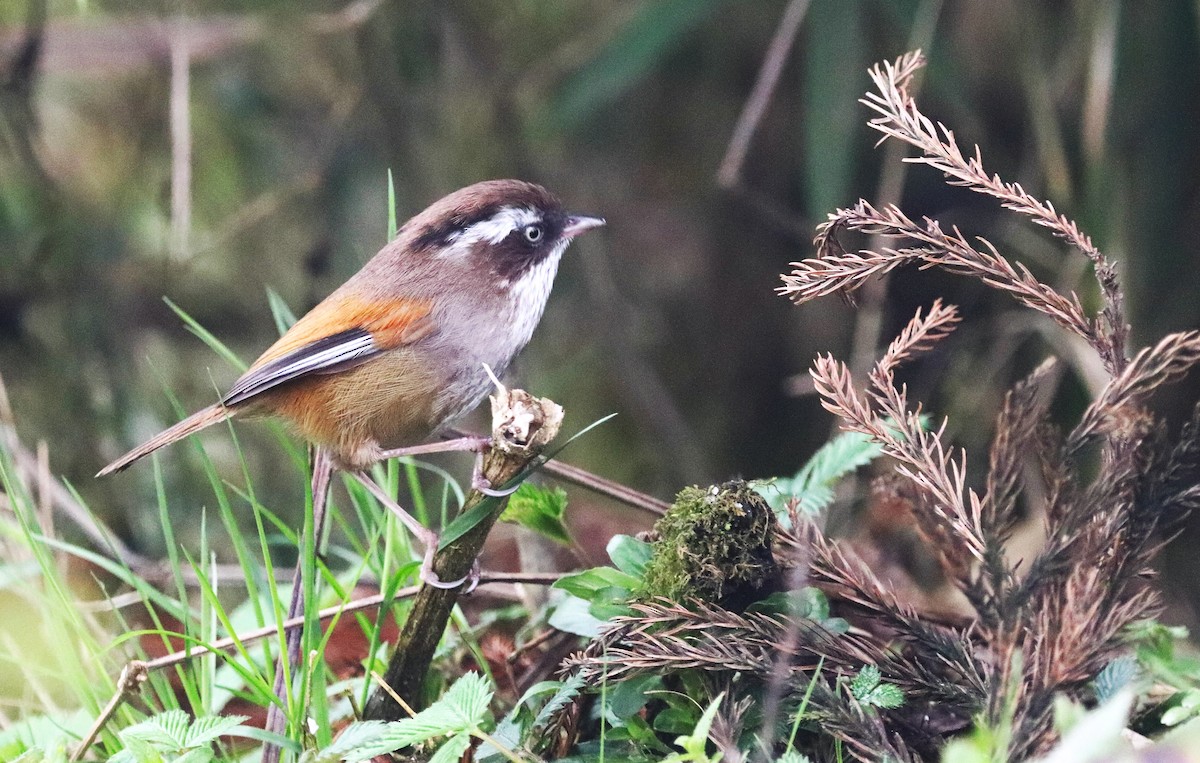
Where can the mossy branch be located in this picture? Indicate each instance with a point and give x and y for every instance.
(522, 425)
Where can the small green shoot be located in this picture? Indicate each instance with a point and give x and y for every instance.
(539, 509)
(870, 690)
(695, 745)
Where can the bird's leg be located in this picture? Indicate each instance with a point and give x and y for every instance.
(427, 537)
(276, 720)
(478, 445)
(472, 443)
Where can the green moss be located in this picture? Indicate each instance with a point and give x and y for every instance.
(714, 544)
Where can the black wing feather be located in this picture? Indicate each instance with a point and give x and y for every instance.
(334, 353)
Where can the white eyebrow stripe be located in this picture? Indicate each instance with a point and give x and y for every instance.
(497, 227)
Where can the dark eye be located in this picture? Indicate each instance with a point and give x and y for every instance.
(532, 233)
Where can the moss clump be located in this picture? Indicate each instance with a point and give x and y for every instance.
(714, 544)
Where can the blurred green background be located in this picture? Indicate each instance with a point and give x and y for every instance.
(288, 116)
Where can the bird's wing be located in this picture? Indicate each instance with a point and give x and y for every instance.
(336, 335)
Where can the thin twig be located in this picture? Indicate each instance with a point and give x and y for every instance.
(592, 481)
(132, 676)
(606, 487)
(730, 173)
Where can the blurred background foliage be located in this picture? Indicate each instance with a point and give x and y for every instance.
(626, 108)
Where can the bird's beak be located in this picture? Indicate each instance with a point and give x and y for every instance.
(577, 224)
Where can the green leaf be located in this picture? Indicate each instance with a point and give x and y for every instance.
(539, 509)
(166, 732)
(463, 523)
(463, 707)
(630, 555)
(354, 743)
(611, 602)
(887, 696)
(695, 744)
(206, 730)
(452, 750)
(865, 682)
(567, 692)
(206, 336)
(392, 227)
(675, 720)
(572, 615)
(630, 696)
(1188, 707)
(808, 603)
(586, 584)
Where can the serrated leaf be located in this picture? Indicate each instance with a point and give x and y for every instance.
(539, 509)
(463, 707)
(1116, 675)
(567, 692)
(630, 555)
(813, 484)
(207, 729)
(163, 732)
(452, 750)
(196, 755)
(136, 750)
(791, 756)
(361, 735)
(865, 681)
(887, 696)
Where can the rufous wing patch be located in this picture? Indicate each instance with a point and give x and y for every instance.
(392, 323)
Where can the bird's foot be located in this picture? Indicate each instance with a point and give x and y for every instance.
(428, 538)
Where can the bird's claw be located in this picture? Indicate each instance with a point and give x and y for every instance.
(484, 485)
(429, 577)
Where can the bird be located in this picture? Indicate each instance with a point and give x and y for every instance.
(409, 343)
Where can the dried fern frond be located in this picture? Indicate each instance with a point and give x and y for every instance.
(1173, 356)
(900, 118)
(833, 269)
(899, 431)
(1016, 436)
(919, 335)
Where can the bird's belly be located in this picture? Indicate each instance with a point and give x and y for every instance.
(388, 402)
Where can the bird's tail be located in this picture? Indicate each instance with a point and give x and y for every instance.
(192, 424)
